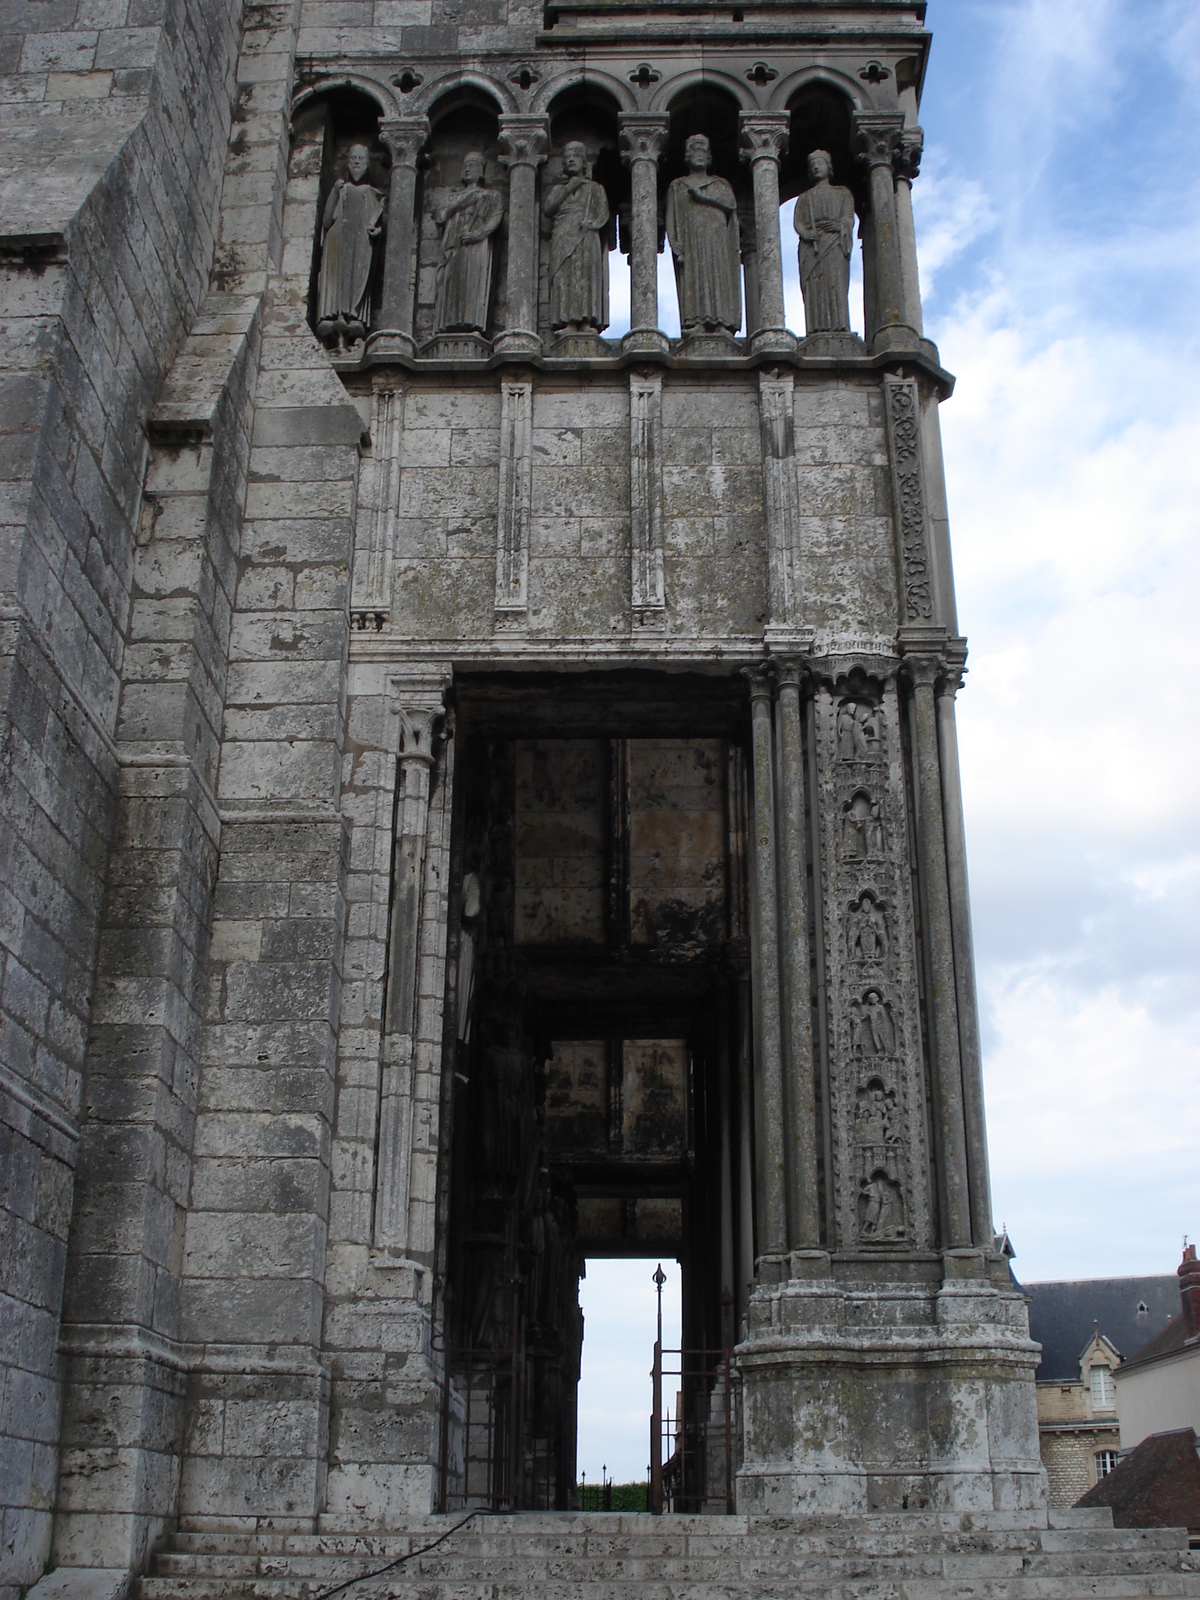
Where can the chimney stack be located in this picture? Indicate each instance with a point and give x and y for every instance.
(1189, 1288)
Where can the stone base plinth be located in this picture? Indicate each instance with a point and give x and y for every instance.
(871, 1387)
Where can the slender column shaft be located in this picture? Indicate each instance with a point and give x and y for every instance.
(964, 968)
(764, 138)
(804, 1228)
(745, 1215)
(908, 164)
(768, 1055)
(725, 1137)
(878, 139)
(643, 140)
(523, 144)
(948, 1120)
(405, 137)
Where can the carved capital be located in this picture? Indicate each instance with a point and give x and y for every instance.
(791, 672)
(877, 137)
(954, 667)
(643, 138)
(404, 138)
(758, 680)
(763, 135)
(417, 704)
(907, 160)
(524, 140)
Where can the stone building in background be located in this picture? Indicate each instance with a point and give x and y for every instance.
(476, 793)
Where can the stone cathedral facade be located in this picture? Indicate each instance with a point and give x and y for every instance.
(479, 791)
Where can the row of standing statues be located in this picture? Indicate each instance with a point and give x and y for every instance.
(701, 225)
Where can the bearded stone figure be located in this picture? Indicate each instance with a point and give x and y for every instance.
(468, 221)
(352, 222)
(702, 227)
(578, 208)
(824, 219)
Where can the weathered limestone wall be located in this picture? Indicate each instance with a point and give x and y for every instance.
(115, 122)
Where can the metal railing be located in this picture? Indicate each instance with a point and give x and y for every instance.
(691, 1451)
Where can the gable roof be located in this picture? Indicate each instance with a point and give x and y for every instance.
(1157, 1485)
(1061, 1315)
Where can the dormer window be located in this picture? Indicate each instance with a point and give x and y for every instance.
(1104, 1390)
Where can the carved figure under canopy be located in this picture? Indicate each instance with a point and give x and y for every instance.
(352, 222)
(578, 208)
(464, 281)
(702, 227)
(824, 219)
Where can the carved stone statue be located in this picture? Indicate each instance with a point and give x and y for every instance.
(702, 226)
(872, 1031)
(464, 281)
(352, 222)
(862, 829)
(866, 930)
(578, 208)
(472, 906)
(860, 731)
(824, 219)
(880, 1208)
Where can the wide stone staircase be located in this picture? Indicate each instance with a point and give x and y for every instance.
(539, 1556)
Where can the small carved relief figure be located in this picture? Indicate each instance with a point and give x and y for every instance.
(352, 222)
(860, 731)
(862, 829)
(880, 1209)
(702, 226)
(467, 220)
(472, 905)
(866, 929)
(872, 1031)
(874, 1124)
(578, 208)
(824, 219)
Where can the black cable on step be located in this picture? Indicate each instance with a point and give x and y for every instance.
(365, 1577)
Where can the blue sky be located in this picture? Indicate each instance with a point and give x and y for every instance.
(1058, 217)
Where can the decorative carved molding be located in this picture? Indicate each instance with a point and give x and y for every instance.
(876, 1067)
(645, 499)
(781, 492)
(903, 407)
(377, 514)
(516, 491)
(415, 704)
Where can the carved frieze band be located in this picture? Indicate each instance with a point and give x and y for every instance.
(645, 499)
(903, 407)
(875, 1067)
(379, 505)
(776, 395)
(516, 488)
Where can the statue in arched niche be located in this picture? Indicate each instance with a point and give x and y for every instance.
(468, 221)
(351, 224)
(578, 210)
(702, 226)
(824, 219)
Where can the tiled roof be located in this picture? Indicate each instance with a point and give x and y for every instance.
(1157, 1485)
(1061, 1316)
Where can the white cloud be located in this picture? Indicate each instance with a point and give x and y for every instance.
(1073, 460)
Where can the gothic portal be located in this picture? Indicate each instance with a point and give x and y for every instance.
(480, 786)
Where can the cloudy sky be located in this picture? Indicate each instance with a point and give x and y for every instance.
(1058, 213)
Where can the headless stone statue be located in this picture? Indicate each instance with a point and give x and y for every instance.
(352, 222)
(702, 226)
(468, 221)
(824, 219)
(578, 208)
